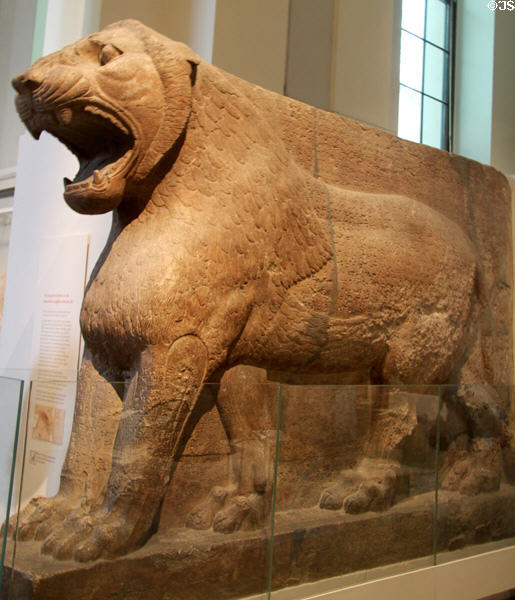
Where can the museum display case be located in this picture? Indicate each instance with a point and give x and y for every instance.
(283, 489)
(11, 398)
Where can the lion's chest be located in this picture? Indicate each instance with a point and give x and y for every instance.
(158, 282)
(129, 302)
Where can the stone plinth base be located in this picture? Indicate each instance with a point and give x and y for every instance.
(310, 544)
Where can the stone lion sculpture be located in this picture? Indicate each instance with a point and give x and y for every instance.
(223, 251)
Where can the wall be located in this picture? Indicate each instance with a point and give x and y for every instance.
(250, 40)
(310, 66)
(16, 31)
(245, 38)
(503, 100)
(188, 21)
(169, 17)
(366, 71)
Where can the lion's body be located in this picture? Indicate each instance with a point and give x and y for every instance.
(270, 266)
(224, 250)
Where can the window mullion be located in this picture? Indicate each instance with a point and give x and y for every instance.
(451, 33)
(423, 75)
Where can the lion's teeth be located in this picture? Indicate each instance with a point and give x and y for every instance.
(97, 177)
(66, 181)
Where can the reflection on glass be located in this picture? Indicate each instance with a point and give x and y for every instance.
(433, 121)
(5, 232)
(409, 114)
(288, 484)
(437, 22)
(413, 16)
(412, 60)
(11, 394)
(475, 491)
(435, 72)
(352, 475)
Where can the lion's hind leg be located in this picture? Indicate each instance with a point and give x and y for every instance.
(472, 461)
(248, 409)
(417, 353)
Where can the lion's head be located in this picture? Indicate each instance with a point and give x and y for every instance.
(118, 99)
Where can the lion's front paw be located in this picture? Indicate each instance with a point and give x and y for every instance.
(241, 513)
(201, 517)
(39, 517)
(373, 485)
(87, 537)
(62, 539)
(226, 511)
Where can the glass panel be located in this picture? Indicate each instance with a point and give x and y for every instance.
(11, 397)
(222, 489)
(313, 486)
(356, 482)
(412, 61)
(215, 519)
(413, 16)
(476, 495)
(435, 72)
(433, 122)
(5, 233)
(409, 114)
(437, 22)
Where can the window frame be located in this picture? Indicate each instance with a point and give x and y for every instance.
(447, 130)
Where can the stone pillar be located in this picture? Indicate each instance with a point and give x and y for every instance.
(202, 27)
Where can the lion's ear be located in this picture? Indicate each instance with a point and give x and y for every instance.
(184, 52)
(193, 73)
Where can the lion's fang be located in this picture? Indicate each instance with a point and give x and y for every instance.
(98, 178)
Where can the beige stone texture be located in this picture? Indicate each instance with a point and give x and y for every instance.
(261, 248)
(310, 545)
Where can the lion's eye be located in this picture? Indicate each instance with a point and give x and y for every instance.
(107, 53)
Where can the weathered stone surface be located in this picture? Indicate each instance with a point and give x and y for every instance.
(254, 234)
(310, 544)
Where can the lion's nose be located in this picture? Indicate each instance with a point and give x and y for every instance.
(27, 81)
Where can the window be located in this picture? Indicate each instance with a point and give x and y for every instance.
(425, 92)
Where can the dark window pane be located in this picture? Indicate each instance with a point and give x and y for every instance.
(437, 17)
(433, 123)
(435, 72)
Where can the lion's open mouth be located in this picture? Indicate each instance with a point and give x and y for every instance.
(101, 142)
